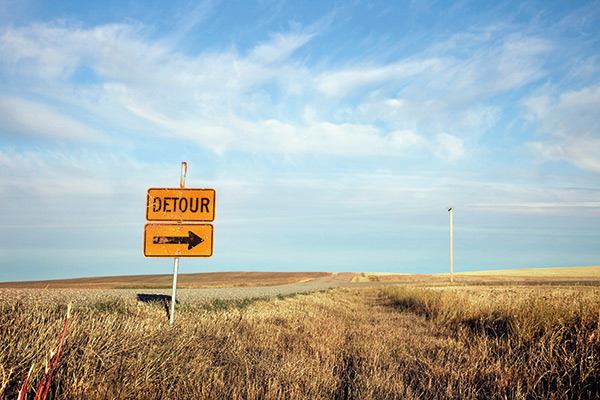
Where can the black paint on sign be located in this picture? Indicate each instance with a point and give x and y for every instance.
(181, 204)
(192, 240)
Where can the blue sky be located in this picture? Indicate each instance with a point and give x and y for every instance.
(336, 134)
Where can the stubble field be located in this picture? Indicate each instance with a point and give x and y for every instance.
(414, 340)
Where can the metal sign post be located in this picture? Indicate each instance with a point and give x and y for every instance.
(176, 259)
(175, 270)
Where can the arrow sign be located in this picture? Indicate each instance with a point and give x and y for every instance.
(178, 240)
(192, 240)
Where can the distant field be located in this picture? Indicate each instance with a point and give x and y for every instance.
(567, 274)
(185, 281)
(253, 279)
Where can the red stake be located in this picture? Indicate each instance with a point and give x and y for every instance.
(60, 346)
(24, 388)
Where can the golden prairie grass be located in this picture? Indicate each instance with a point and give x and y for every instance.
(509, 276)
(590, 272)
(369, 343)
(526, 342)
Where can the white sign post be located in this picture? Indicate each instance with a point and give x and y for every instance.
(176, 259)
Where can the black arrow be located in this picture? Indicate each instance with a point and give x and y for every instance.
(192, 240)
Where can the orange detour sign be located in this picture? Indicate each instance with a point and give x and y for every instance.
(180, 204)
(178, 240)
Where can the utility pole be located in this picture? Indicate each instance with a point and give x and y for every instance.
(451, 248)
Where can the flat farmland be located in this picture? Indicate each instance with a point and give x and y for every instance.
(571, 275)
(404, 337)
(185, 281)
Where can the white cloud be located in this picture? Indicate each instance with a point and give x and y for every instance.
(580, 152)
(278, 49)
(273, 136)
(345, 82)
(449, 147)
(40, 120)
(570, 126)
(205, 99)
(406, 139)
(519, 62)
(259, 101)
(67, 173)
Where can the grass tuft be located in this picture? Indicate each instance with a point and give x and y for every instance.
(113, 306)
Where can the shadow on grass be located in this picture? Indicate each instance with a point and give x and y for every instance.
(161, 299)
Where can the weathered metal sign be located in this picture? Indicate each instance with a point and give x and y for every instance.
(178, 240)
(180, 204)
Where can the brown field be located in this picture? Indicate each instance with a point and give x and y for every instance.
(419, 339)
(184, 281)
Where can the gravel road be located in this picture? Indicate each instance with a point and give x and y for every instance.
(183, 295)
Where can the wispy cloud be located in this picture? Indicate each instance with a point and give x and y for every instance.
(228, 101)
(569, 124)
(44, 122)
(278, 48)
(449, 147)
(65, 173)
(345, 82)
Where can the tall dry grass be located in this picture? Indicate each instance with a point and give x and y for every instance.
(342, 344)
(523, 342)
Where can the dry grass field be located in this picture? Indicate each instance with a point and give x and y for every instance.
(414, 340)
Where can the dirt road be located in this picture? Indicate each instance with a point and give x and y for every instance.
(202, 295)
(183, 295)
